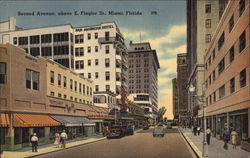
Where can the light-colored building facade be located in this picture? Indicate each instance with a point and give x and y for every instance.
(143, 70)
(227, 74)
(202, 20)
(96, 52)
(182, 92)
(28, 106)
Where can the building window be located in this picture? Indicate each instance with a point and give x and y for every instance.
(96, 48)
(3, 73)
(96, 62)
(89, 62)
(79, 64)
(34, 39)
(243, 78)
(222, 91)
(78, 38)
(213, 54)
(64, 81)
(96, 88)
(208, 23)
(52, 77)
(59, 95)
(242, 41)
(71, 84)
(96, 35)
(90, 89)
(79, 51)
(210, 99)
(214, 97)
(89, 36)
(46, 51)
(87, 90)
(241, 7)
(231, 23)
(221, 65)
(208, 8)
(221, 41)
(107, 87)
(96, 75)
(107, 62)
(75, 85)
(209, 79)
(107, 49)
(107, 75)
(22, 40)
(71, 98)
(46, 38)
(80, 88)
(32, 79)
(35, 51)
(15, 40)
(83, 89)
(209, 60)
(61, 50)
(232, 85)
(59, 80)
(52, 94)
(106, 36)
(214, 75)
(231, 54)
(89, 49)
(64, 96)
(61, 37)
(208, 38)
(89, 75)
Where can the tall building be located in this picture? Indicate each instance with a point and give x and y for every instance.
(96, 52)
(227, 74)
(175, 98)
(143, 70)
(41, 96)
(202, 20)
(182, 92)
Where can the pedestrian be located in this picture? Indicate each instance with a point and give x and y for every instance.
(57, 139)
(198, 130)
(225, 139)
(195, 130)
(34, 142)
(208, 135)
(234, 138)
(63, 138)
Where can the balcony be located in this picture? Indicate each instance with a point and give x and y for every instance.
(106, 40)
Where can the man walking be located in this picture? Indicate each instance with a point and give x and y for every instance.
(225, 139)
(34, 142)
(208, 135)
(64, 136)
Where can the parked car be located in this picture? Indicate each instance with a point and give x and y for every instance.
(146, 127)
(169, 125)
(158, 131)
(115, 131)
(128, 130)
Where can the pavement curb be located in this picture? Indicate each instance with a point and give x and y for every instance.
(195, 149)
(67, 148)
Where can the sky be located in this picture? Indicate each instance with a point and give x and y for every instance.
(162, 23)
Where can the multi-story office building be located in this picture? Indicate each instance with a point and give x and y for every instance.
(96, 52)
(227, 73)
(175, 98)
(202, 20)
(143, 68)
(42, 96)
(182, 86)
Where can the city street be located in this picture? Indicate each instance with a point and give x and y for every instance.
(140, 145)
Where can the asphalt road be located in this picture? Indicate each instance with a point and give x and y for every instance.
(140, 145)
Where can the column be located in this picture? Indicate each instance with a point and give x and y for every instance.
(9, 138)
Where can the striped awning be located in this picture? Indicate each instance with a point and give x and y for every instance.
(34, 120)
(4, 120)
(73, 120)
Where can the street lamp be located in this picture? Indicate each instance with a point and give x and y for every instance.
(201, 99)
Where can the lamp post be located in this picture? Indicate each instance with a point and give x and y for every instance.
(201, 99)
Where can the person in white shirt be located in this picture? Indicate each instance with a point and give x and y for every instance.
(34, 141)
(64, 136)
(208, 135)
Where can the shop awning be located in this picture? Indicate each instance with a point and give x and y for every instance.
(33, 120)
(73, 120)
(4, 120)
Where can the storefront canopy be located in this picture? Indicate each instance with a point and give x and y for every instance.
(73, 120)
(4, 120)
(33, 120)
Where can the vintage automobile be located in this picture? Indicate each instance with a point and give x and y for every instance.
(128, 130)
(158, 131)
(115, 131)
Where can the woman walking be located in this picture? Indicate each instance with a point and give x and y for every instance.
(57, 140)
(234, 138)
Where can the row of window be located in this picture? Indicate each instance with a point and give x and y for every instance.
(80, 38)
(107, 75)
(131, 76)
(138, 86)
(221, 65)
(107, 87)
(139, 81)
(62, 81)
(242, 84)
(138, 55)
(71, 98)
(80, 63)
(80, 50)
(138, 91)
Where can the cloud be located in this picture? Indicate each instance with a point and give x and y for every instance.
(133, 35)
(168, 66)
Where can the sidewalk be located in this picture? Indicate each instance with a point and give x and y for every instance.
(26, 152)
(215, 149)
